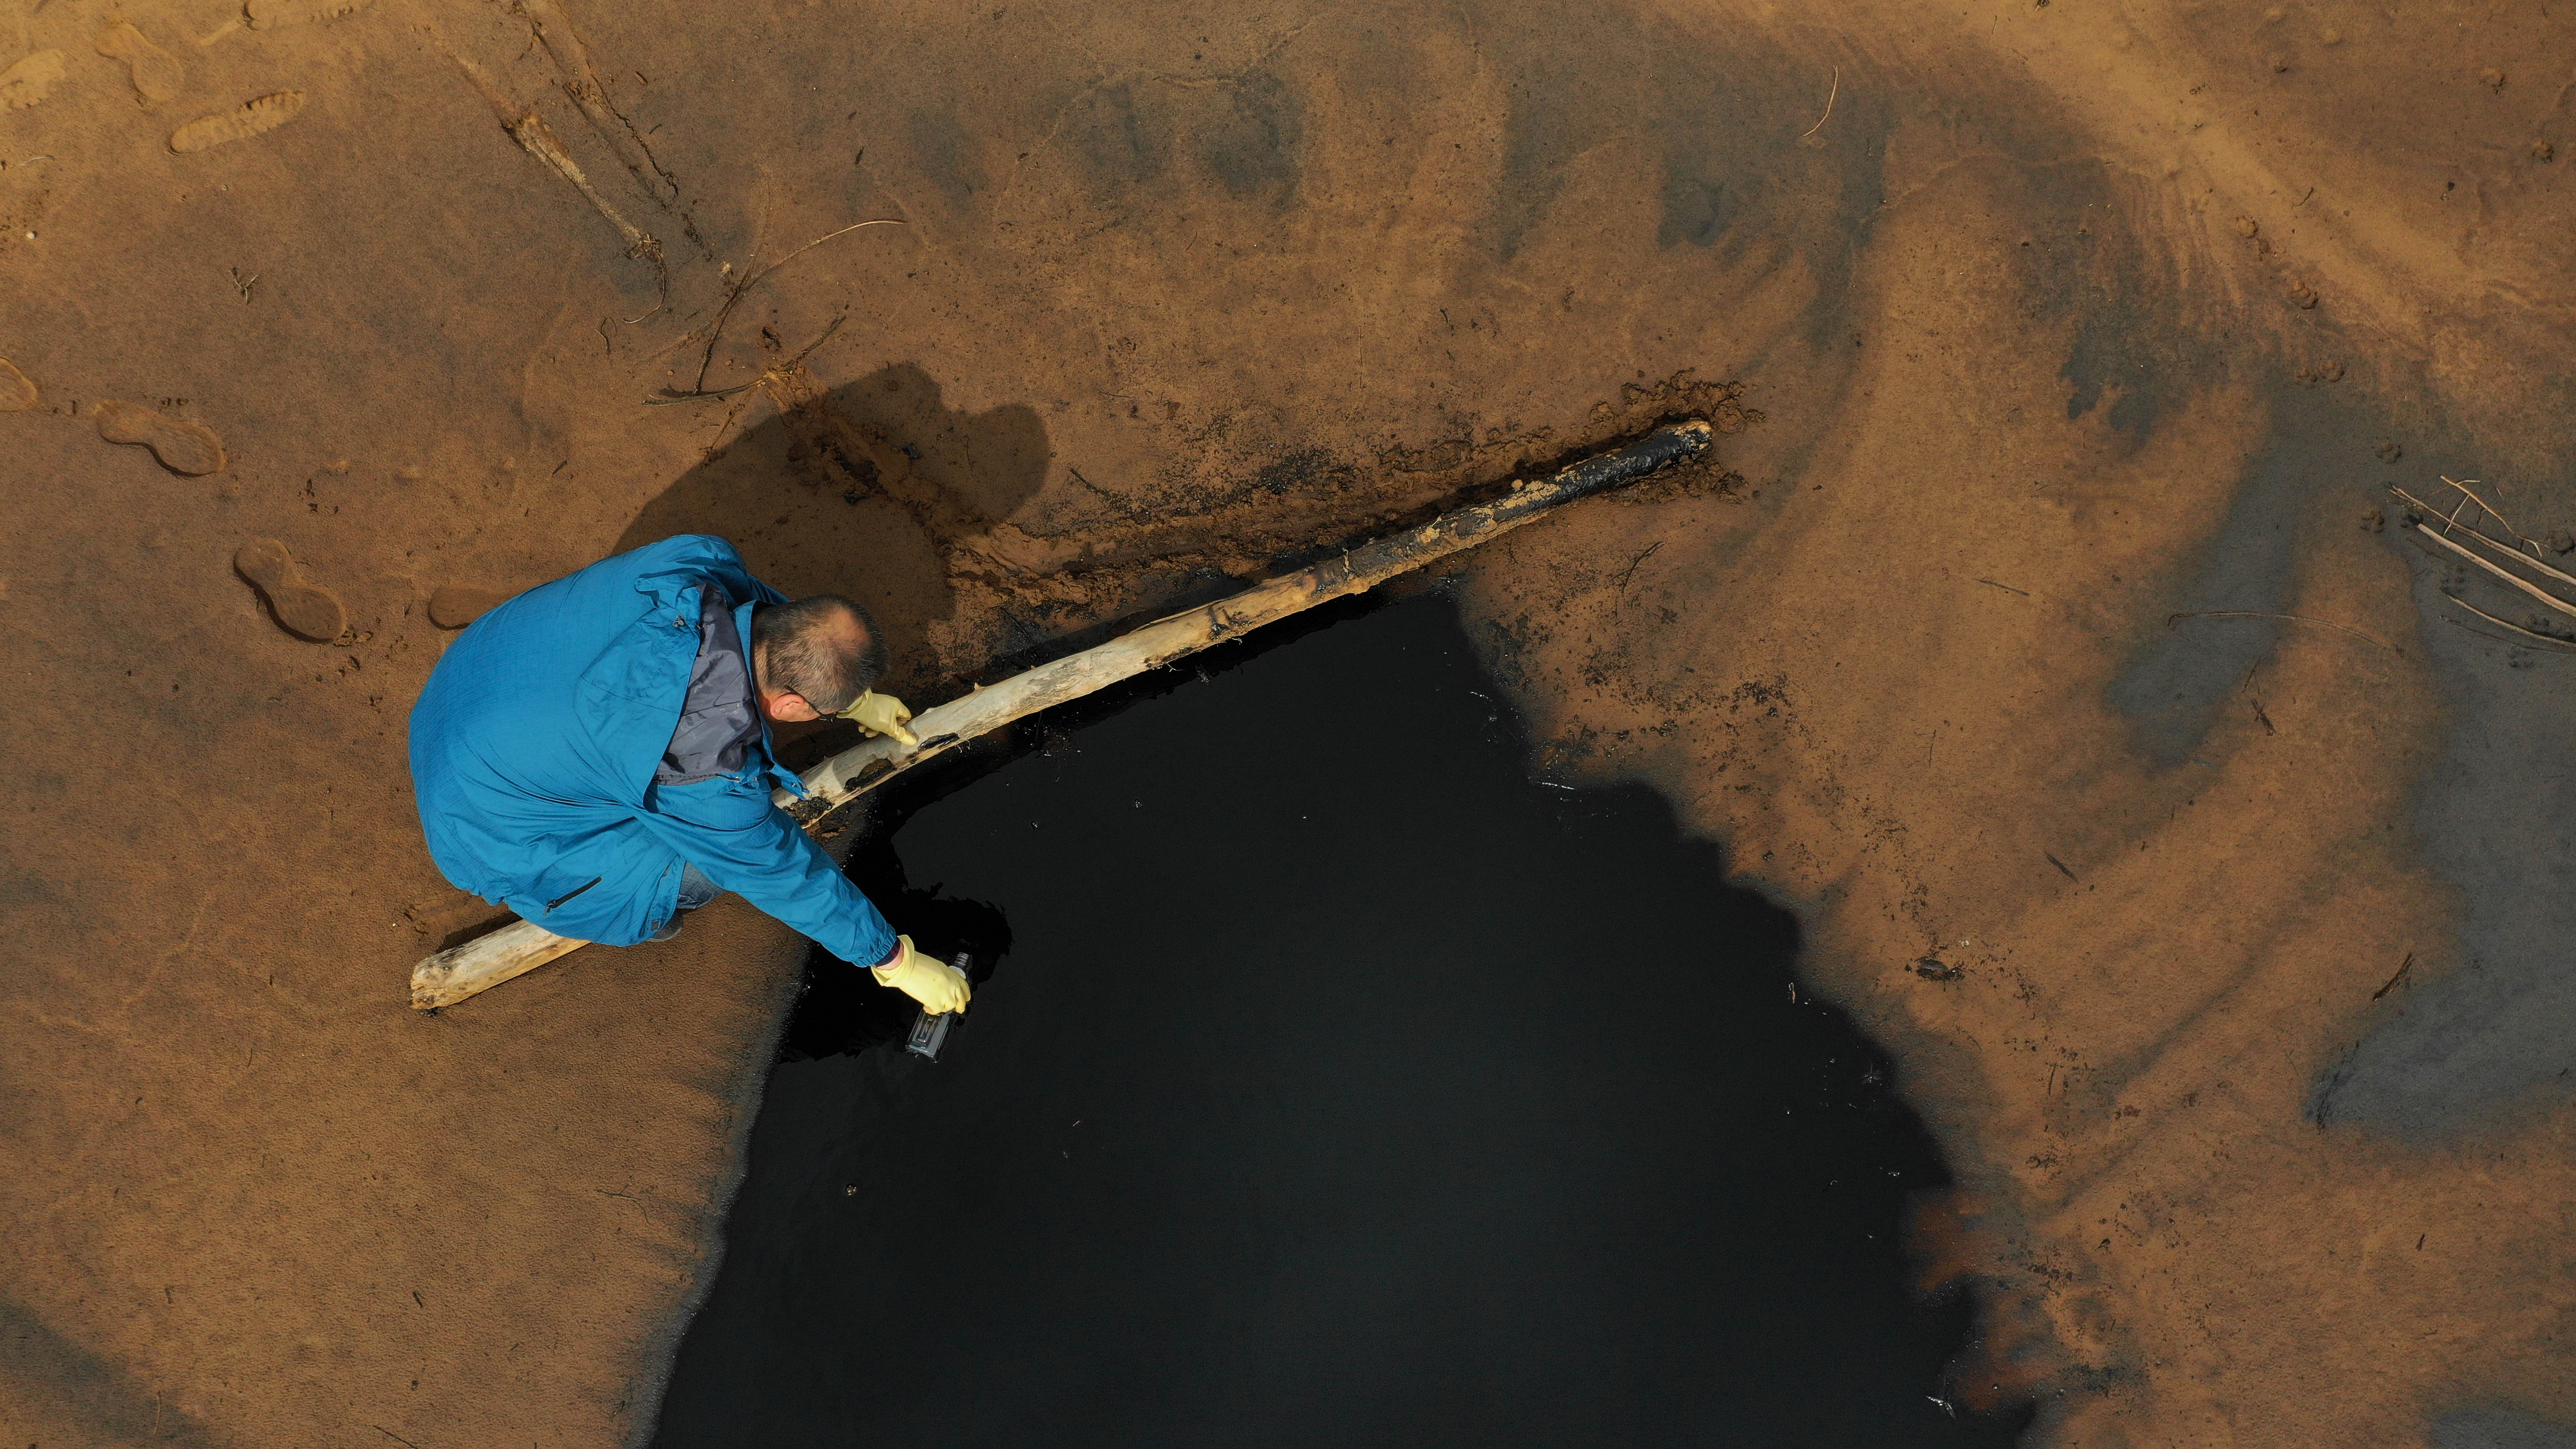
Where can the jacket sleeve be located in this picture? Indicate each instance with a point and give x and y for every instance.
(728, 829)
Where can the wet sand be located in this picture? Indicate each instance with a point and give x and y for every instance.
(2058, 324)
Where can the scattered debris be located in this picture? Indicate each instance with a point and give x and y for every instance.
(2529, 555)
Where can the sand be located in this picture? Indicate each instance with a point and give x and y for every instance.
(2057, 321)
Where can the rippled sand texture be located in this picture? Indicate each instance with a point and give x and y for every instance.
(2059, 322)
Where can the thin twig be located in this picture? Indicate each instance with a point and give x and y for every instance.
(2567, 646)
(726, 426)
(671, 395)
(2007, 588)
(2173, 619)
(2490, 508)
(2402, 968)
(1829, 105)
(2535, 590)
(1631, 570)
(827, 236)
(2498, 638)
(2450, 520)
(2412, 501)
(799, 359)
(750, 279)
(715, 331)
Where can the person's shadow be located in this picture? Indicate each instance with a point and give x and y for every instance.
(864, 491)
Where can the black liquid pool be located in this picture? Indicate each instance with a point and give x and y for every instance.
(1342, 1085)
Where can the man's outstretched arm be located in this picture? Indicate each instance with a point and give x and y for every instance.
(732, 833)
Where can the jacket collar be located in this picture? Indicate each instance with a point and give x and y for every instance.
(775, 775)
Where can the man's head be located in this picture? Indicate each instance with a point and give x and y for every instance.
(811, 658)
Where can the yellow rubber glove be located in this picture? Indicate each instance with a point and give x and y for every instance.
(881, 714)
(938, 986)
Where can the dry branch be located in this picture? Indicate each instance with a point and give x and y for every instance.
(518, 948)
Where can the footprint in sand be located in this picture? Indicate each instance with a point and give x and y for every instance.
(182, 447)
(454, 606)
(250, 118)
(17, 390)
(270, 14)
(301, 607)
(156, 72)
(30, 80)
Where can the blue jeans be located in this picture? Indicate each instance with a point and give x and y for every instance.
(695, 891)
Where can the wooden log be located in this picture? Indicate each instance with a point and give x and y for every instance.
(485, 962)
(518, 948)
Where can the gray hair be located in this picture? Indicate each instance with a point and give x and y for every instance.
(823, 647)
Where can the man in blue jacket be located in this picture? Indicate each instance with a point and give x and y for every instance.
(595, 754)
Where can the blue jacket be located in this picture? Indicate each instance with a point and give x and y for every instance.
(534, 749)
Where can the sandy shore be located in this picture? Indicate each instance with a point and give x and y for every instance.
(2058, 323)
